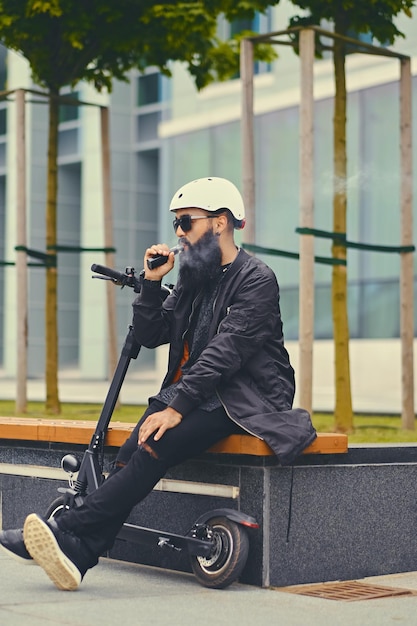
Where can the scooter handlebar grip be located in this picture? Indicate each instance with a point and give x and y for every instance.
(107, 271)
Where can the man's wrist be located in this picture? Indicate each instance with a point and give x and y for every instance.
(174, 412)
(151, 282)
(182, 403)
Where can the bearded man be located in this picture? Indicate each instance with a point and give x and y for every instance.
(228, 372)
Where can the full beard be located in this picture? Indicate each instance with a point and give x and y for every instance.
(200, 263)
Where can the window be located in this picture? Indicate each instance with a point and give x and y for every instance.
(261, 23)
(3, 121)
(237, 26)
(3, 68)
(149, 89)
(365, 37)
(3, 84)
(69, 112)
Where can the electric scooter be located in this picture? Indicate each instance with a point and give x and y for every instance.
(217, 543)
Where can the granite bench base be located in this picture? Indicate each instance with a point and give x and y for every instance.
(329, 517)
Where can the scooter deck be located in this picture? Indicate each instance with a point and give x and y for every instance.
(161, 539)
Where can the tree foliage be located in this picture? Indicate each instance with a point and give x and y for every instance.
(66, 41)
(372, 16)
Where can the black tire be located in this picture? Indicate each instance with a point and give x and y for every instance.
(56, 508)
(228, 557)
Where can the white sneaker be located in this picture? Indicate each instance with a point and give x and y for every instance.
(43, 539)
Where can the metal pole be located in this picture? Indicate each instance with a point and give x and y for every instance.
(21, 257)
(306, 324)
(248, 149)
(406, 279)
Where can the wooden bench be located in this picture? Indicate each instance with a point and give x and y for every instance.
(80, 432)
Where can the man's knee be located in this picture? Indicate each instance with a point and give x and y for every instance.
(145, 446)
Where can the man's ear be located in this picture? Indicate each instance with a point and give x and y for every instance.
(221, 223)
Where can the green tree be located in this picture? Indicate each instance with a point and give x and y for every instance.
(67, 41)
(350, 18)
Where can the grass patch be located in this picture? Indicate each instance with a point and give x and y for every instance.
(368, 428)
(73, 411)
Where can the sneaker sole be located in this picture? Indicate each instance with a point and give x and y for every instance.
(42, 545)
(16, 557)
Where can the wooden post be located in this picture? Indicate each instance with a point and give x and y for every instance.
(21, 257)
(406, 280)
(248, 149)
(108, 239)
(306, 324)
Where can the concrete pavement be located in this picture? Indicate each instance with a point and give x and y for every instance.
(129, 594)
(72, 389)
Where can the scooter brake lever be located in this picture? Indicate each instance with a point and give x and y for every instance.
(106, 278)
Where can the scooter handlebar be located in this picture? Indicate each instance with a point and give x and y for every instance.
(127, 279)
(119, 277)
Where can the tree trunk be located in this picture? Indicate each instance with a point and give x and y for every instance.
(343, 400)
(21, 256)
(51, 323)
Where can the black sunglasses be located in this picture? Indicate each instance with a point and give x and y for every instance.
(185, 221)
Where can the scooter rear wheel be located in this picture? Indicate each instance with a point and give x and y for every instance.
(228, 556)
(56, 508)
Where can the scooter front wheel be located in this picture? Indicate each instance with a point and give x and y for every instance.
(228, 557)
(56, 508)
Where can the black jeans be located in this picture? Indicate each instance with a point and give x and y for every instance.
(103, 512)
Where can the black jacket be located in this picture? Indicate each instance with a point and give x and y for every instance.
(244, 362)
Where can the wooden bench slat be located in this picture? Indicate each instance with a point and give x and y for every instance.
(80, 432)
(325, 443)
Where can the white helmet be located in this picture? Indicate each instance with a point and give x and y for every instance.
(211, 194)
